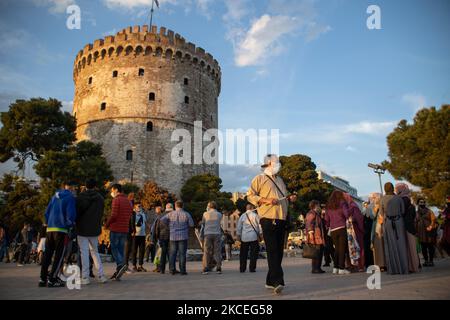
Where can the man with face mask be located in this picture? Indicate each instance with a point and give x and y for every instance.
(268, 192)
(118, 224)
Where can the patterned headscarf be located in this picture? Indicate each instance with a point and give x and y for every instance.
(402, 190)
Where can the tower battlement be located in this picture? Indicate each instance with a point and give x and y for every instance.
(139, 40)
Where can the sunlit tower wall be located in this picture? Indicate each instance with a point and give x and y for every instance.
(133, 89)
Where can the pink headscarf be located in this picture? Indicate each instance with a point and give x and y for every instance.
(402, 190)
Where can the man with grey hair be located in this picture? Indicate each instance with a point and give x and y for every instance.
(269, 194)
(212, 236)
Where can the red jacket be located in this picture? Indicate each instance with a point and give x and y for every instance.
(120, 214)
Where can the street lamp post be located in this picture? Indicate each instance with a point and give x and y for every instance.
(378, 169)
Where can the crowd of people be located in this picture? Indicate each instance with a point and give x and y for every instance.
(389, 231)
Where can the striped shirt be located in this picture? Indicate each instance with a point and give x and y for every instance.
(179, 223)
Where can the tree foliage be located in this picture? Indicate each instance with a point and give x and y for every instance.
(299, 173)
(20, 203)
(152, 195)
(200, 189)
(420, 153)
(77, 163)
(32, 127)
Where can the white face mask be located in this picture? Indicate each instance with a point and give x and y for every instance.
(275, 168)
(113, 194)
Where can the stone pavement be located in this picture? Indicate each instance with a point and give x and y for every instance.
(431, 283)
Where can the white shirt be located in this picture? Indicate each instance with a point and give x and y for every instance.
(245, 229)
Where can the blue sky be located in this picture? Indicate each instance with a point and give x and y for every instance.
(308, 67)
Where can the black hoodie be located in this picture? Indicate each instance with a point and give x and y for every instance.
(90, 206)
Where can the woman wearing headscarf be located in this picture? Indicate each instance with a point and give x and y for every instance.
(402, 190)
(395, 248)
(370, 211)
(358, 227)
(377, 231)
(426, 231)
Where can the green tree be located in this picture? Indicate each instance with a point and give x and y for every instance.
(199, 190)
(20, 203)
(420, 153)
(299, 173)
(77, 163)
(32, 127)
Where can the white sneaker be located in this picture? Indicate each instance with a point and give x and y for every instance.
(102, 279)
(85, 281)
(343, 271)
(278, 289)
(269, 287)
(335, 270)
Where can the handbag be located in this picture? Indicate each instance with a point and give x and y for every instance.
(311, 251)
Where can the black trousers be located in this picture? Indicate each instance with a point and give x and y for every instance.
(243, 255)
(340, 247)
(138, 244)
(274, 232)
(427, 251)
(55, 244)
(150, 252)
(328, 250)
(316, 264)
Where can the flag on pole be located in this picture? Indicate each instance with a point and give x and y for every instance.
(157, 3)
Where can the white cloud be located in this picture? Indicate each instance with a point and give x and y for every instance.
(55, 6)
(262, 40)
(265, 36)
(416, 101)
(236, 10)
(372, 128)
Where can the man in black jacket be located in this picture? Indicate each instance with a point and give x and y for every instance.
(90, 205)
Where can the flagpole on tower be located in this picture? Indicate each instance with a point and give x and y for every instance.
(151, 15)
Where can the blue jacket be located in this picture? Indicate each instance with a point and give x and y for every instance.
(61, 212)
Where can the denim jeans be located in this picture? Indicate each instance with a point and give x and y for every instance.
(117, 241)
(180, 248)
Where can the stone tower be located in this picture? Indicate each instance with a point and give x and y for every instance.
(133, 89)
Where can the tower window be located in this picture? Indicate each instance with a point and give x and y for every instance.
(186, 81)
(129, 155)
(149, 126)
(115, 73)
(141, 72)
(151, 96)
(103, 106)
(186, 99)
(90, 80)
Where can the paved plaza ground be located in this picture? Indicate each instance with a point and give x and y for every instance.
(431, 283)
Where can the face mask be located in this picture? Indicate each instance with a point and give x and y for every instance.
(422, 205)
(276, 168)
(113, 195)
